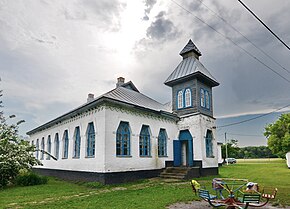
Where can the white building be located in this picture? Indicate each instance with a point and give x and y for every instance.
(124, 135)
(220, 157)
(288, 159)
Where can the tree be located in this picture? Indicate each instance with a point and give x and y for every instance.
(278, 135)
(232, 148)
(15, 153)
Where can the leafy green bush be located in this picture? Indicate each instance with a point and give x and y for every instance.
(15, 152)
(29, 179)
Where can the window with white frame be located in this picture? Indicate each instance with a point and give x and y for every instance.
(180, 99)
(202, 100)
(187, 96)
(207, 100)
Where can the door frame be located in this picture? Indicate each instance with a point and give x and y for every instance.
(184, 135)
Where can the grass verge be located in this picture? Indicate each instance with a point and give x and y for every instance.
(153, 193)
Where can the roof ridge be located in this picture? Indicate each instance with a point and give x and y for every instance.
(144, 95)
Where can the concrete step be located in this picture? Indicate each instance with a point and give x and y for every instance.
(171, 176)
(177, 170)
(180, 172)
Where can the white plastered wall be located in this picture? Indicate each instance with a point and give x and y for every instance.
(114, 163)
(198, 126)
(92, 164)
(106, 122)
(219, 153)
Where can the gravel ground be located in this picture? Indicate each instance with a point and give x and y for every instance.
(205, 205)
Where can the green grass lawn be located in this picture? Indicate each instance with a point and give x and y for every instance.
(268, 174)
(153, 193)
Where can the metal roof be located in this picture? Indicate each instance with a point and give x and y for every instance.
(190, 46)
(187, 67)
(126, 95)
(120, 95)
(130, 85)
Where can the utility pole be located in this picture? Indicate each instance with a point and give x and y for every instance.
(226, 148)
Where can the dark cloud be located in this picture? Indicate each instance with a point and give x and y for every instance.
(195, 6)
(262, 37)
(209, 16)
(162, 28)
(245, 83)
(149, 4)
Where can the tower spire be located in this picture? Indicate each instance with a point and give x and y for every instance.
(190, 50)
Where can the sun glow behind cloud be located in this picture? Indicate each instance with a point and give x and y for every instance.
(122, 42)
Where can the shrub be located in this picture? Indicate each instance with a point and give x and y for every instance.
(29, 179)
(15, 152)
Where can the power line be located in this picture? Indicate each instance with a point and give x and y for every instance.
(264, 24)
(248, 53)
(251, 55)
(219, 16)
(254, 118)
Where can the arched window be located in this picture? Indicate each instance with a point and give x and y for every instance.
(202, 100)
(123, 139)
(144, 141)
(180, 99)
(37, 149)
(208, 143)
(32, 143)
(162, 143)
(207, 100)
(56, 146)
(91, 140)
(42, 149)
(65, 144)
(77, 142)
(48, 147)
(187, 96)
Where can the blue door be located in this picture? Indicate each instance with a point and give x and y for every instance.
(183, 149)
(176, 153)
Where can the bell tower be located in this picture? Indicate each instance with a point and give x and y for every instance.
(192, 101)
(191, 84)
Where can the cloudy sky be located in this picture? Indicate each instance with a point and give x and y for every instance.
(54, 52)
